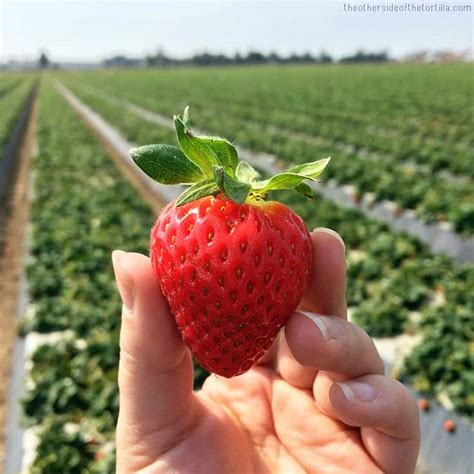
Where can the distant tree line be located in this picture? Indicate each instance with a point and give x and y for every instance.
(252, 57)
(362, 57)
(161, 59)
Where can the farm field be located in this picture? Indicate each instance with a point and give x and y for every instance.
(393, 114)
(411, 144)
(387, 289)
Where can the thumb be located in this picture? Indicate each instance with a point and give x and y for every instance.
(155, 371)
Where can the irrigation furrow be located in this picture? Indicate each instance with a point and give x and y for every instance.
(438, 236)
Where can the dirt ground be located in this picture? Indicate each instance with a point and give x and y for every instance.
(13, 227)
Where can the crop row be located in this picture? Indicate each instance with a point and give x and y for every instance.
(7, 84)
(333, 93)
(11, 105)
(432, 197)
(408, 112)
(394, 282)
(77, 220)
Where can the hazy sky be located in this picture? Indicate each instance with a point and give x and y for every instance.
(91, 30)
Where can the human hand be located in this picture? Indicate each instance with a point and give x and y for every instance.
(318, 402)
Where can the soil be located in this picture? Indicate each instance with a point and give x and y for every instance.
(13, 229)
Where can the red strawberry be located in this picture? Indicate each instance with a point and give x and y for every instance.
(423, 404)
(232, 266)
(449, 425)
(232, 275)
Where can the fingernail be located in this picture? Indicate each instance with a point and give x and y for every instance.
(357, 392)
(325, 230)
(124, 281)
(329, 327)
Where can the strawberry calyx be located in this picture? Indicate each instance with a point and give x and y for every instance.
(210, 165)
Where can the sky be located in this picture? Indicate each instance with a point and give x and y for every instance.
(93, 30)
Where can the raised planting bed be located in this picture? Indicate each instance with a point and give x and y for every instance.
(15, 109)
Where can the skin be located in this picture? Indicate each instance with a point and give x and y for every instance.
(301, 410)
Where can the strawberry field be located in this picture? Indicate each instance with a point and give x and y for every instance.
(391, 130)
(396, 133)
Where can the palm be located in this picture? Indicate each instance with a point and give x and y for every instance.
(260, 423)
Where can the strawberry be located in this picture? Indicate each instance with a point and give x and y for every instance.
(232, 266)
(449, 426)
(232, 274)
(423, 404)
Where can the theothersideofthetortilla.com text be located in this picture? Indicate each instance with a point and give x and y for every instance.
(406, 7)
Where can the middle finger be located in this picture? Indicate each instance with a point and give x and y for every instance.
(328, 343)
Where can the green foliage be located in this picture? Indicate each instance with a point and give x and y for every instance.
(206, 152)
(11, 104)
(299, 113)
(198, 191)
(382, 315)
(60, 451)
(212, 164)
(166, 164)
(444, 361)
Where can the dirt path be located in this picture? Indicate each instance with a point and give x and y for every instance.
(13, 223)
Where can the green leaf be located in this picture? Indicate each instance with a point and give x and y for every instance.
(166, 164)
(310, 170)
(206, 152)
(292, 178)
(225, 152)
(198, 191)
(194, 149)
(283, 180)
(235, 190)
(213, 165)
(246, 172)
(305, 190)
(186, 115)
